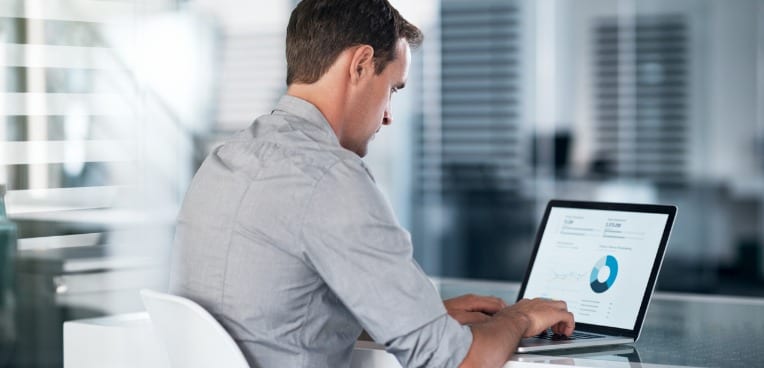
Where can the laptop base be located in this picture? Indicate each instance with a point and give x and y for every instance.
(535, 344)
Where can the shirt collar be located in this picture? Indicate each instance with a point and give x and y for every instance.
(314, 119)
(309, 113)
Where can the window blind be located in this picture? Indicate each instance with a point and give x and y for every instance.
(641, 97)
(476, 150)
(72, 120)
(253, 78)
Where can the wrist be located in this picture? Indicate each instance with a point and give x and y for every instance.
(519, 322)
(496, 339)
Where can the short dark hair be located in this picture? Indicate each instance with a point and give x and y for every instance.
(319, 30)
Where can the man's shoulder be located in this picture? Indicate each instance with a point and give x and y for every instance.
(284, 145)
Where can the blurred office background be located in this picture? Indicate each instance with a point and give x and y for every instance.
(109, 106)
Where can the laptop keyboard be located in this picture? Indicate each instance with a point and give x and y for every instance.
(548, 335)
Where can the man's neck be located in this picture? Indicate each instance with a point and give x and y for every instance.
(327, 100)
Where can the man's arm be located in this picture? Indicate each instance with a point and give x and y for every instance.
(494, 340)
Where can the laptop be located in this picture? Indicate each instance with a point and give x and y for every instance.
(598, 356)
(602, 259)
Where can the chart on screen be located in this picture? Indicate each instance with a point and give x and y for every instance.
(598, 262)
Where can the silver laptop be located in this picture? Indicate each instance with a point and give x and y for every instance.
(610, 356)
(602, 259)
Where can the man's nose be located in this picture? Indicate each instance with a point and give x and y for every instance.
(387, 119)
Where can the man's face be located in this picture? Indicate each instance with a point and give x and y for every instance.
(372, 109)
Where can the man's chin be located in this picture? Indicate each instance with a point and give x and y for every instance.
(360, 151)
(364, 148)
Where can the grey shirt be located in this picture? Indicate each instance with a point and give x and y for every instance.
(285, 238)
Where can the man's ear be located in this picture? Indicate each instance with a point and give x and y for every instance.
(362, 63)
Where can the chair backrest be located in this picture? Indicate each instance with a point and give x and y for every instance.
(191, 336)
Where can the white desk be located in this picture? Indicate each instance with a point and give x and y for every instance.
(679, 331)
(684, 330)
(128, 341)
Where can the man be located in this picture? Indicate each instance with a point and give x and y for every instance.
(286, 240)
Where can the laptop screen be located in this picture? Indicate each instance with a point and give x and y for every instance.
(598, 261)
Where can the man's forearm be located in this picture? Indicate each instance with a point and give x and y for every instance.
(494, 341)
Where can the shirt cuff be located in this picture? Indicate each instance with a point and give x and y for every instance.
(442, 342)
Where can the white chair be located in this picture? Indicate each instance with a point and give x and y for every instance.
(190, 335)
(117, 341)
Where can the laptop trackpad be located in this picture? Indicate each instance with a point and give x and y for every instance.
(549, 341)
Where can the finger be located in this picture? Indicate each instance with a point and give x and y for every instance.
(475, 303)
(560, 304)
(468, 318)
(487, 304)
(570, 325)
(567, 324)
(501, 301)
(461, 302)
(560, 328)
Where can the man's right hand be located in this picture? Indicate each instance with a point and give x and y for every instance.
(542, 314)
(494, 340)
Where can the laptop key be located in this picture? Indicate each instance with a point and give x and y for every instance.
(546, 335)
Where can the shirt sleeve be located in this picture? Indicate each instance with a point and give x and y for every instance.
(353, 240)
(440, 343)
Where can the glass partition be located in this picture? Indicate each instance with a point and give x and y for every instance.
(108, 107)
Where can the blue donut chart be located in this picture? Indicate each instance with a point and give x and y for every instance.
(612, 264)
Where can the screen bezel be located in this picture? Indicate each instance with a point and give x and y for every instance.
(669, 210)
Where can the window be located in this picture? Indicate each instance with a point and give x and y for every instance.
(477, 148)
(474, 159)
(641, 97)
(101, 103)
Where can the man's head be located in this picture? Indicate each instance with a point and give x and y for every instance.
(347, 57)
(319, 30)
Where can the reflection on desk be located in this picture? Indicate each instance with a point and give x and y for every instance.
(612, 357)
(679, 330)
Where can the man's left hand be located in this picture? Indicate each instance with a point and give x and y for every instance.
(471, 308)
